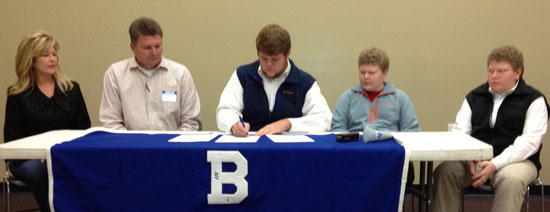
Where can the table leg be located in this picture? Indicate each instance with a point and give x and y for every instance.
(429, 184)
(421, 180)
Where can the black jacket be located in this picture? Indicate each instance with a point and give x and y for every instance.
(31, 112)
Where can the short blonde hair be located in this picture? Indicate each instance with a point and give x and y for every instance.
(375, 56)
(32, 46)
(509, 54)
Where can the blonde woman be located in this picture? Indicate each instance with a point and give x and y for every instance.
(42, 99)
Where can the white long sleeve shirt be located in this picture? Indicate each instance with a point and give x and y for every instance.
(526, 144)
(316, 113)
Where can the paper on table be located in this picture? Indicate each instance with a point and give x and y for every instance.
(194, 137)
(289, 138)
(234, 139)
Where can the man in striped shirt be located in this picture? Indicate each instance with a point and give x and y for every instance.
(148, 91)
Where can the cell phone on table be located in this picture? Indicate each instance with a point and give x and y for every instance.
(347, 137)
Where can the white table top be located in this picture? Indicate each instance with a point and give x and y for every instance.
(443, 146)
(36, 146)
(422, 146)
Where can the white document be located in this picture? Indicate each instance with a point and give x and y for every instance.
(289, 138)
(234, 139)
(194, 137)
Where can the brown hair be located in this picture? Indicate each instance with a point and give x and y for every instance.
(374, 56)
(272, 40)
(509, 54)
(144, 26)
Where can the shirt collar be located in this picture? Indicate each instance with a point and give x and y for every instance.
(36, 100)
(505, 93)
(284, 75)
(134, 64)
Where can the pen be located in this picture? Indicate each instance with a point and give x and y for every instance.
(242, 122)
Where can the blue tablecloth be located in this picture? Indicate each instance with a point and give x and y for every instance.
(144, 172)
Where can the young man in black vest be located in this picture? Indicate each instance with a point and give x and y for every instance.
(511, 116)
(272, 95)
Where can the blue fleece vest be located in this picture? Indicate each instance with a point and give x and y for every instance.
(289, 99)
(510, 119)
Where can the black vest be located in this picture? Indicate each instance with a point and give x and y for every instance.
(289, 99)
(510, 117)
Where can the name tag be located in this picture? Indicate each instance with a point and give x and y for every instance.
(169, 96)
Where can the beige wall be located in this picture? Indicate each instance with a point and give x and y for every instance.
(437, 48)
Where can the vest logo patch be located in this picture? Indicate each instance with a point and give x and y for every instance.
(288, 92)
(387, 105)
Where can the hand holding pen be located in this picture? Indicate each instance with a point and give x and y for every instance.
(242, 122)
(240, 128)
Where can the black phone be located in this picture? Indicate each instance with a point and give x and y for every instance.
(347, 137)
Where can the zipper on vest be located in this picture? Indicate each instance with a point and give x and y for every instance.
(373, 111)
(370, 114)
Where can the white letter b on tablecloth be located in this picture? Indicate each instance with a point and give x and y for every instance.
(216, 158)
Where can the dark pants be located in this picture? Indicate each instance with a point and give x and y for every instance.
(34, 173)
(410, 175)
